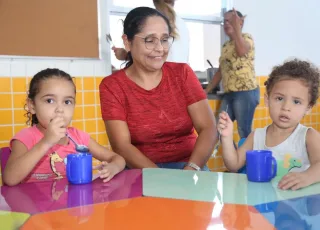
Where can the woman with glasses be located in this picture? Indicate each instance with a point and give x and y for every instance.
(179, 51)
(237, 73)
(151, 107)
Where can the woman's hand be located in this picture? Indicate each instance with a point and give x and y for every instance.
(107, 170)
(225, 125)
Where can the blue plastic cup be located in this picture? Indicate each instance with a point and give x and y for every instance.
(261, 165)
(79, 168)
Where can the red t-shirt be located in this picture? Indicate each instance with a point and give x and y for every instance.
(158, 120)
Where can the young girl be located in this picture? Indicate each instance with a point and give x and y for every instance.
(38, 152)
(292, 90)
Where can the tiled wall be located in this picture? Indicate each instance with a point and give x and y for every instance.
(88, 116)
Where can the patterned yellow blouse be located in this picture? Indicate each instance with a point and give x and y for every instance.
(238, 73)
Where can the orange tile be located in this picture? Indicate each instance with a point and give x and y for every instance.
(101, 126)
(6, 133)
(5, 85)
(257, 124)
(79, 100)
(98, 111)
(192, 215)
(90, 126)
(89, 98)
(18, 128)
(19, 100)
(78, 113)
(88, 83)
(98, 81)
(6, 117)
(89, 112)
(78, 124)
(6, 101)
(103, 139)
(3, 144)
(19, 84)
(19, 116)
(78, 82)
(97, 95)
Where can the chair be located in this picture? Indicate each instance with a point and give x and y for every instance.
(243, 169)
(4, 156)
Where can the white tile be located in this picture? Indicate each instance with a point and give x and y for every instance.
(18, 69)
(36, 66)
(102, 69)
(63, 65)
(81, 68)
(4, 69)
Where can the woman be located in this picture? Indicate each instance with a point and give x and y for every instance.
(150, 107)
(179, 52)
(237, 73)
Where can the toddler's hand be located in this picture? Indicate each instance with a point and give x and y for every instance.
(225, 125)
(294, 181)
(107, 170)
(120, 53)
(55, 131)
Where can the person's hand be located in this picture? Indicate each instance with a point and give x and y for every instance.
(107, 170)
(294, 181)
(120, 53)
(225, 125)
(236, 21)
(55, 131)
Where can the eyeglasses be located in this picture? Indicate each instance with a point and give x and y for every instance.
(152, 42)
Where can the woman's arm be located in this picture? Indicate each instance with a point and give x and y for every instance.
(204, 123)
(120, 140)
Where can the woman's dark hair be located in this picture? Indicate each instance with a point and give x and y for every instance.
(134, 22)
(35, 84)
(296, 70)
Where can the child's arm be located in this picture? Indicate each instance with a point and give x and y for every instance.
(299, 180)
(233, 159)
(112, 163)
(21, 161)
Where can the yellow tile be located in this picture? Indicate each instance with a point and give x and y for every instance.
(88, 83)
(103, 139)
(78, 82)
(6, 133)
(313, 118)
(91, 126)
(101, 126)
(18, 128)
(263, 123)
(19, 100)
(98, 81)
(5, 84)
(4, 144)
(78, 125)
(98, 111)
(5, 101)
(78, 113)
(19, 117)
(79, 100)
(89, 112)
(89, 98)
(5, 117)
(256, 124)
(97, 95)
(19, 84)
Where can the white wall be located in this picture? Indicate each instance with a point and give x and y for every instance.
(21, 67)
(282, 29)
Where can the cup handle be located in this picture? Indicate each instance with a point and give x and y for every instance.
(274, 167)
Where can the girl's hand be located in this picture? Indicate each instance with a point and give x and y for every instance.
(107, 170)
(225, 125)
(55, 131)
(294, 181)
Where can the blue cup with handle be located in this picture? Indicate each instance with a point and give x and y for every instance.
(79, 168)
(261, 166)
